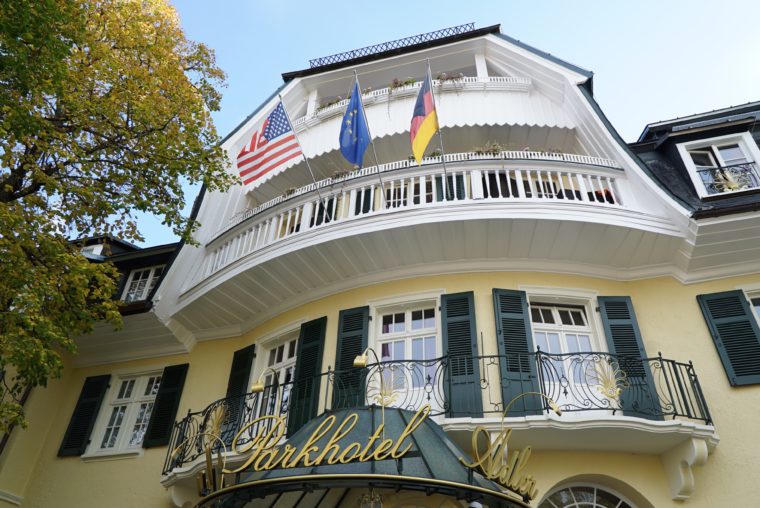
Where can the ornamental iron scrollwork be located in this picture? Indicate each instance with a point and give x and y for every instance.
(587, 382)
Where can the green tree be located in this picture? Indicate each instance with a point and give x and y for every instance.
(104, 111)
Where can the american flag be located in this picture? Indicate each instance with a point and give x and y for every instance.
(273, 145)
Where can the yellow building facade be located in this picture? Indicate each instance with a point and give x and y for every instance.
(563, 262)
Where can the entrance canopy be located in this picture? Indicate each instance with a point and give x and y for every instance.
(427, 463)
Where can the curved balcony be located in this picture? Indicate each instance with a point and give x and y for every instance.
(588, 387)
(472, 179)
(384, 95)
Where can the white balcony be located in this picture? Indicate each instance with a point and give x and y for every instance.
(504, 211)
(383, 95)
(579, 179)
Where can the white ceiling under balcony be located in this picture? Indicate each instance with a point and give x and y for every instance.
(257, 287)
(142, 335)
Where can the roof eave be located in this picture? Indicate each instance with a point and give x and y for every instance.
(548, 56)
(616, 136)
(708, 213)
(493, 29)
(665, 124)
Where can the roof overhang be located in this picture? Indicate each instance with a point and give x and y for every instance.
(354, 450)
(493, 29)
(269, 492)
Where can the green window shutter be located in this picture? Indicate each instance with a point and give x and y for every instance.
(86, 411)
(165, 407)
(237, 387)
(517, 362)
(624, 340)
(460, 346)
(240, 371)
(353, 327)
(736, 334)
(304, 402)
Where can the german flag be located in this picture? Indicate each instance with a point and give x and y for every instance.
(424, 120)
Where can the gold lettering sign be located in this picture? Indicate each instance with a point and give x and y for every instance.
(266, 455)
(503, 466)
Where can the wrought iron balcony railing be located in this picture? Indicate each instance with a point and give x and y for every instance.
(588, 383)
(737, 177)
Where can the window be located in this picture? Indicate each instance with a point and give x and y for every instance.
(732, 319)
(409, 334)
(560, 329)
(141, 282)
(564, 334)
(722, 165)
(584, 497)
(122, 414)
(123, 422)
(280, 358)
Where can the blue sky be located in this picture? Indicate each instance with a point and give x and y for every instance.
(652, 60)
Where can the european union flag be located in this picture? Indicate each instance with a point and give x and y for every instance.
(354, 135)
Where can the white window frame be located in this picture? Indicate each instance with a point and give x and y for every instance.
(382, 306)
(408, 334)
(571, 296)
(751, 292)
(270, 342)
(746, 144)
(562, 329)
(406, 303)
(564, 486)
(587, 299)
(122, 448)
(152, 280)
(751, 297)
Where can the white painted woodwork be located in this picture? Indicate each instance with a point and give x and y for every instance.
(261, 254)
(141, 336)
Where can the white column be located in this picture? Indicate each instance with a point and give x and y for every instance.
(311, 104)
(476, 184)
(481, 67)
(308, 208)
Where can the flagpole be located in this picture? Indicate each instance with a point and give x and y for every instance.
(440, 136)
(371, 139)
(316, 187)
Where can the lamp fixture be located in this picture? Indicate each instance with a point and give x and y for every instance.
(360, 362)
(258, 386)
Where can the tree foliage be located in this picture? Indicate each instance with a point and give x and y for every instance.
(104, 111)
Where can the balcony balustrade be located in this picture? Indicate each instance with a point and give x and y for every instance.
(737, 177)
(591, 383)
(383, 95)
(499, 177)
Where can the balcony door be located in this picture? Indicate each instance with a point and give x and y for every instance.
(408, 343)
(722, 165)
(569, 371)
(280, 358)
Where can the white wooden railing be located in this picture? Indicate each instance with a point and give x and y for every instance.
(530, 176)
(385, 94)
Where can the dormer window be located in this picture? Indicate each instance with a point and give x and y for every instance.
(141, 282)
(722, 165)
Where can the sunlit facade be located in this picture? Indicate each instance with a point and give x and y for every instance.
(597, 300)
